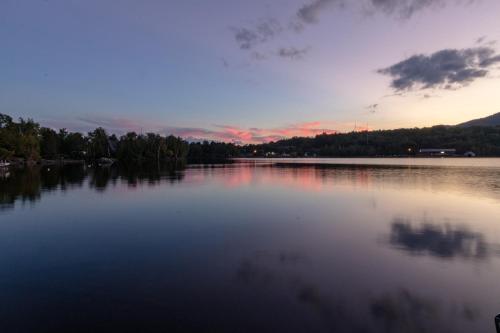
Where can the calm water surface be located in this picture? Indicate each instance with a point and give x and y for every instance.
(254, 246)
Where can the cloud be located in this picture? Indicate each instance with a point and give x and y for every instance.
(267, 29)
(258, 56)
(226, 133)
(445, 69)
(490, 61)
(372, 108)
(121, 124)
(248, 38)
(309, 13)
(292, 53)
(480, 40)
(404, 8)
(237, 134)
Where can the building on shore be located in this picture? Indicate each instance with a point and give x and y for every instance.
(437, 152)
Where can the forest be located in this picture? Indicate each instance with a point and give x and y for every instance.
(27, 141)
(482, 140)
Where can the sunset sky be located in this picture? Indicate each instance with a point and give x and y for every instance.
(249, 71)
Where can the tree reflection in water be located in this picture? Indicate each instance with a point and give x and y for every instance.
(28, 184)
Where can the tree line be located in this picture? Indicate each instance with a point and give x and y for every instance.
(27, 140)
(482, 140)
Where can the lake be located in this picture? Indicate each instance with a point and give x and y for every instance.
(292, 245)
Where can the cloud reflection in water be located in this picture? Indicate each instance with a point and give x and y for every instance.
(440, 241)
(399, 310)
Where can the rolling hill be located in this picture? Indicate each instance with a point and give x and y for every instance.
(493, 120)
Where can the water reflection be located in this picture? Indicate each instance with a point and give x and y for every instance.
(24, 185)
(250, 247)
(29, 184)
(404, 311)
(400, 310)
(476, 181)
(440, 240)
(463, 180)
(271, 271)
(255, 269)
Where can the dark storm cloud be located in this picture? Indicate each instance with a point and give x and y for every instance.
(445, 69)
(292, 53)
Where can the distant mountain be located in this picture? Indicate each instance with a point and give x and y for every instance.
(493, 120)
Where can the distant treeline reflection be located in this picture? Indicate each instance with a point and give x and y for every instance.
(27, 184)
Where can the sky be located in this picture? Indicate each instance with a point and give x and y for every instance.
(249, 71)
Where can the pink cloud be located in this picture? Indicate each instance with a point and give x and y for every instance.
(224, 133)
(260, 135)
